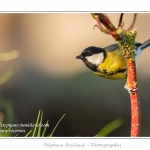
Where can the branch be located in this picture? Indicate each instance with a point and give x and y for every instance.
(109, 27)
(133, 22)
(120, 20)
(126, 41)
(127, 45)
(105, 21)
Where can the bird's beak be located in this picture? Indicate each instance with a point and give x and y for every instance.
(80, 57)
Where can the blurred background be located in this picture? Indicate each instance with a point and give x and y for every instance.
(47, 76)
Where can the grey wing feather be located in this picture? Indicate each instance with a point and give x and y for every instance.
(138, 45)
(111, 47)
(116, 46)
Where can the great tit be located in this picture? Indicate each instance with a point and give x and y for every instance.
(109, 62)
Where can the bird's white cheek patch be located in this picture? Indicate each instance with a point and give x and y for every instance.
(95, 59)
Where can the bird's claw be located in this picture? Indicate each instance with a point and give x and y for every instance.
(130, 90)
(126, 56)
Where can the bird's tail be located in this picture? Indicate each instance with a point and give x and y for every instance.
(144, 45)
(140, 48)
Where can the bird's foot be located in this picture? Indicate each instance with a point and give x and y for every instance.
(130, 90)
(126, 56)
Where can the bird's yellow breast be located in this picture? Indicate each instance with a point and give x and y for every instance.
(113, 62)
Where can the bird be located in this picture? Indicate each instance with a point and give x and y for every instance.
(109, 62)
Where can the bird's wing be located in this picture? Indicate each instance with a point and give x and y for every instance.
(144, 45)
(137, 44)
(112, 47)
(116, 46)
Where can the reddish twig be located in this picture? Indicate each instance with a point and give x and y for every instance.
(132, 84)
(133, 22)
(109, 28)
(134, 97)
(120, 20)
(126, 41)
(105, 21)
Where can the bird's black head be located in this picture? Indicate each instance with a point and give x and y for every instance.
(92, 57)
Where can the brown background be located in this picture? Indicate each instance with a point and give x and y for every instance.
(47, 76)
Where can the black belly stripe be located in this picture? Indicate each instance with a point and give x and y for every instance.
(111, 73)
